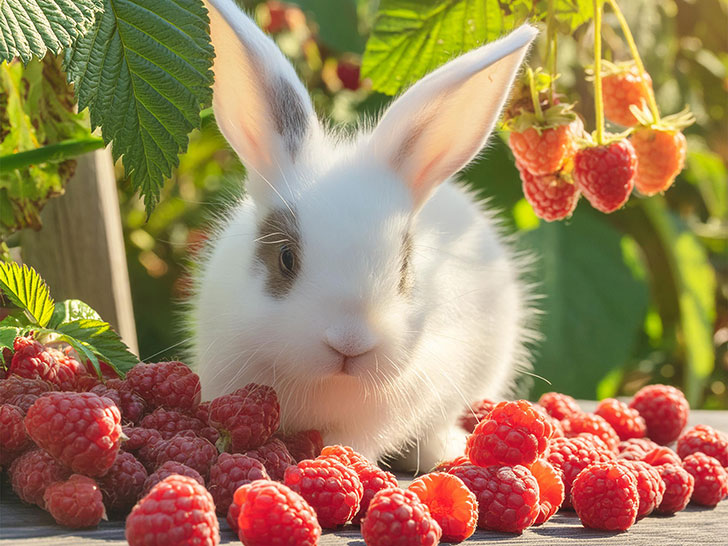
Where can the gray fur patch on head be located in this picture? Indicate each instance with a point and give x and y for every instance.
(405, 273)
(288, 113)
(278, 231)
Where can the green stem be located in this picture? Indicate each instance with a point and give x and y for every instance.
(551, 45)
(60, 151)
(534, 96)
(637, 60)
(598, 106)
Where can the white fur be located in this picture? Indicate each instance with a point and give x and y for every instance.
(455, 337)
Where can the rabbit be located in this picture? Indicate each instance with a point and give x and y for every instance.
(356, 276)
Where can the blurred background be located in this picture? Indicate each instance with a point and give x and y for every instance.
(639, 296)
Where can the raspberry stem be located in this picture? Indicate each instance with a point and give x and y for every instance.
(534, 96)
(637, 59)
(551, 49)
(598, 103)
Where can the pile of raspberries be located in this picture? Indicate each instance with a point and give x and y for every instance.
(146, 449)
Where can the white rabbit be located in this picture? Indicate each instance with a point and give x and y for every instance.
(357, 277)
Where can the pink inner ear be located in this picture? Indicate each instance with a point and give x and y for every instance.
(421, 184)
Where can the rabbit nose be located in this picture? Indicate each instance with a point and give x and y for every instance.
(350, 343)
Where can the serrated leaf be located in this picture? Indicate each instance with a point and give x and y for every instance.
(143, 71)
(7, 337)
(24, 287)
(70, 310)
(98, 337)
(29, 28)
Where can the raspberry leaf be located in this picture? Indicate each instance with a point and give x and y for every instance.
(8, 335)
(70, 310)
(24, 287)
(101, 340)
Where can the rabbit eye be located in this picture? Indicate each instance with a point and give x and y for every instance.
(287, 260)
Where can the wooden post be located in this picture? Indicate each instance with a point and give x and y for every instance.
(80, 249)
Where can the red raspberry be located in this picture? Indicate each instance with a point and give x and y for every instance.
(246, 418)
(13, 439)
(23, 401)
(605, 174)
(15, 385)
(508, 497)
(130, 404)
(704, 439)
(169, 384)
(626, 422)
(345, 455)
(348, 74)
(177, 510)
(86, 383)
(711, 479)
(605, 496)
(122, 485)
(595, 441)
(622, 87)
(75, 503)
(202, 412)
(397, 513)
(679, 485)
(635, 449)
(559, 406)
(572, 455)
(552, 196)
(593, 424)
(277, 20)
(447, 466)
(230, 472)
(373, 479)
(170, 468)
(514, 433)
(141, 442)
(171, 422)
(304, 445)
(274, 456)
(660, 158)
(80, 429)
(33, 472)
(550, 489)
(193, 451)
(452, 505)
(544, 151)
(474, 414)
(34, 361)
(664, 409)
(334, 490)
(271, 513)
(661, 455)
(650, 486)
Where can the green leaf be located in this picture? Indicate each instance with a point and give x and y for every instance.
(24, 287)
(29, 28)
(99, 338)
(143, 71)
(338, 23)
(70, 310)
(7, 337)
(413, 37)
(594, 304)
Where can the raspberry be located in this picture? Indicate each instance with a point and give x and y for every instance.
(447, 466)
(474, 414)
(171, 422)
(15, 385)
(168, 469)
(33, 472)
(660, 158)
(544, 151)
(230, 472)
(452, 505)
(202, 412)
(559, 406)
(650, 486)
(34, 361)
(348, 74)
(550, 489)
(635, 449)
(193, 451)
(246, 418)
(605, 174)
(704, 439)
(605, 496)
(661, 455)
(595, 441)
(373, 479)
(271, 513)
(344, 454)
(334, 490)
(711, 479)
(508, 497)
(13, 439)
(570, 456)
(626, 422)
(130, 404)
(514, 433)
(177, 510)
(397, 513)
(622, 88)
(664, 409)
(141, 441)
(122, 485)
(75, 503)
(304, 445)
(593, 424)
(552, 196)
(679, 485)
(169, 384)
(23, 401)
(80, 429)
(274, 456)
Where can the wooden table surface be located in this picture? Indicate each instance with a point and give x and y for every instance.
(30, 526)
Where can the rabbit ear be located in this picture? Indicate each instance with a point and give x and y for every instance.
(440, 123)
(261, 106)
